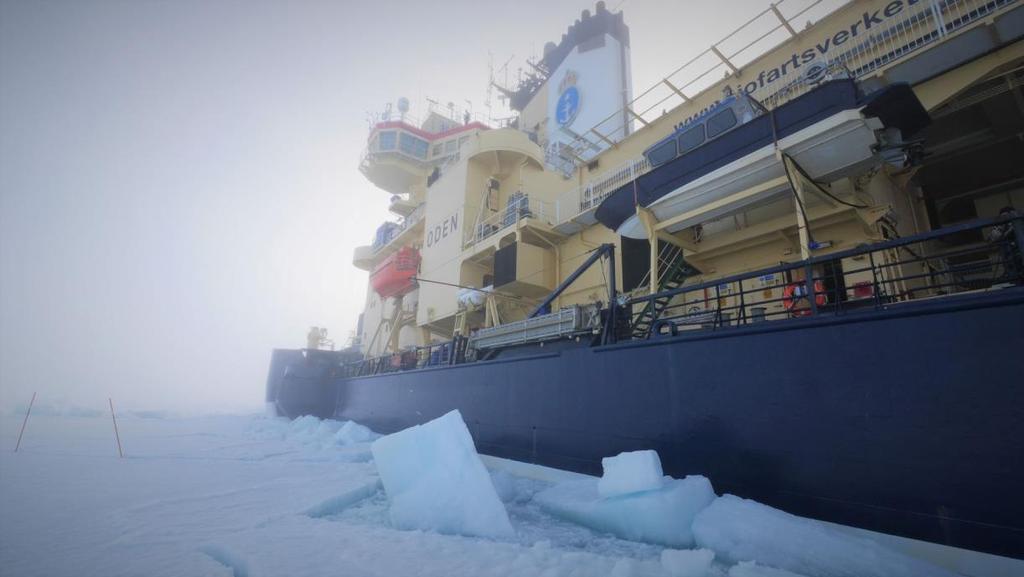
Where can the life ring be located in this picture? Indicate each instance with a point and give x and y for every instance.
(794, 292)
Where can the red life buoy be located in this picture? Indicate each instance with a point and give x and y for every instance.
(794, 292)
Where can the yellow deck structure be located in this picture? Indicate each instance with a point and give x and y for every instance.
(479, 202)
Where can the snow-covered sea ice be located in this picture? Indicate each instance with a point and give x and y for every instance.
(744, 530)
(257, 496)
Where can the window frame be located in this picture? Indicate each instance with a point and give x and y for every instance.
(730, 112)
(657, 147)
(696, 128)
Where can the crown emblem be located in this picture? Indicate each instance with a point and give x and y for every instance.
(568, 80)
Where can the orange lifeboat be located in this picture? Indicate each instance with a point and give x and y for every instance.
(396, 274)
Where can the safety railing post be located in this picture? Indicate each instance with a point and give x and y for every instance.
(743, 304)
(874, 280)
(812, 296)
(718, 306)
(1018, 235)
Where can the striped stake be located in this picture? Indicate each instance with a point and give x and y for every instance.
(25, 422)
(116, 434)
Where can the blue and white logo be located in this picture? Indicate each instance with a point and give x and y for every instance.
(815, 72)
(568, 106)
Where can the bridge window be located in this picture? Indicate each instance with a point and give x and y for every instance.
(691, 139)
(662, 153)
(387, 140)
(413, 146)
(721, 122)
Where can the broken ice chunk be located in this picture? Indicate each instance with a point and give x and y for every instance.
(631, 472)
(662, 516)
(435, 480)
(352, 433)
(744, 530)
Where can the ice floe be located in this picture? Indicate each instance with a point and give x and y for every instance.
(630, 473)
(435, 480)
(662, 516)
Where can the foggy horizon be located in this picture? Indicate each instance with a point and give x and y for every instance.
(179, 183)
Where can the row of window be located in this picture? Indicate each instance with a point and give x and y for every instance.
(403, 141)
(414, 146)
(692, 138)
(445, 148)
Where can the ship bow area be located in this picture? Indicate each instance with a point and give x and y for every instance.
(302, 382)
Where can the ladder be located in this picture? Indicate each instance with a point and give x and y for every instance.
(675, 271)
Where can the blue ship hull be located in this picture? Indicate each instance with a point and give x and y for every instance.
(907, 421)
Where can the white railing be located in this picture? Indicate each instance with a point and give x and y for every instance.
(907, 32)
(418, 114)
(580, 199)
(910, 29)
(903, 34)
(758, 36)
(509, 217)
(406, 223)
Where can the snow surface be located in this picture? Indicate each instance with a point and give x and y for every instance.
(662, 516)
(252, 496)
(687, 562)
(744, 530)
(751, 569)
(435, 480)
(630, 472)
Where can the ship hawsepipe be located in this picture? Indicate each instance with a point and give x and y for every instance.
(899, 417)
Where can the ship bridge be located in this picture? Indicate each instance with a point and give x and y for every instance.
(404, 156)
(399, 156)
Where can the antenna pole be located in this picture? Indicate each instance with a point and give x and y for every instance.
(25, 422)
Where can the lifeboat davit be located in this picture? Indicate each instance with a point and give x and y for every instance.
(396, 275)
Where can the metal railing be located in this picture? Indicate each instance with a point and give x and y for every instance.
(666, 256)
(975, 256)
(908, 32)
(580, 199)
(756, 37)
(453, 352)
(510, 216)
(406, 223)
(904, 33)
(980, 255)
(418, 114)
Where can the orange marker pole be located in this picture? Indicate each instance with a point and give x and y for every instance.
(116, 434)
(25, 422)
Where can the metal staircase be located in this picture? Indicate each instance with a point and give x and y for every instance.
(673, 271)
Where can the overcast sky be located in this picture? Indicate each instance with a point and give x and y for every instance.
(179, 184)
